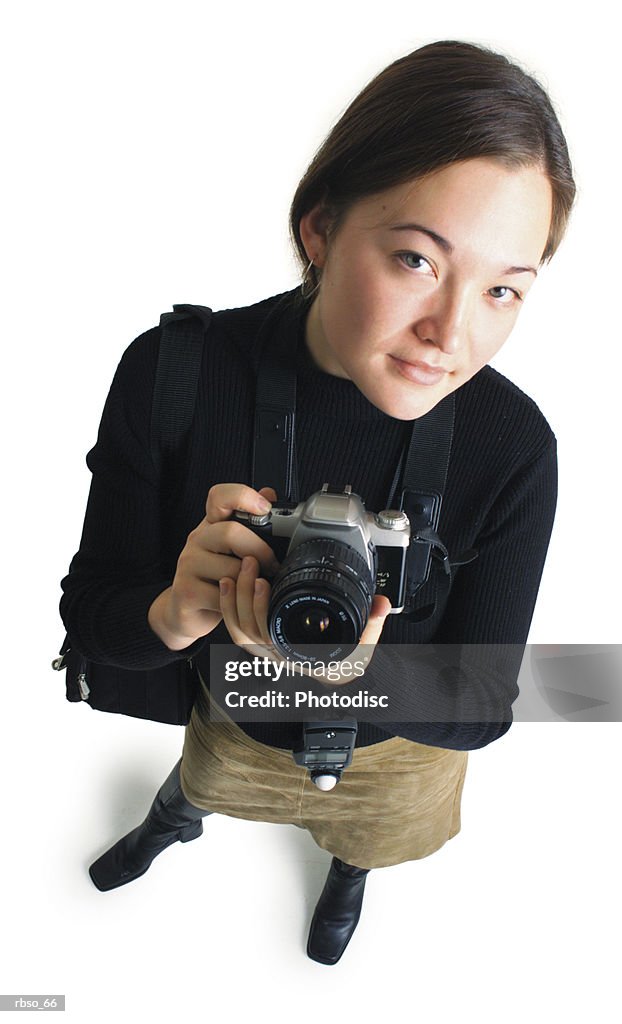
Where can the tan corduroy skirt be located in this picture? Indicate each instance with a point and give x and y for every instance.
(397, 801)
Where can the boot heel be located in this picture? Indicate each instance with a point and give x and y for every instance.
(192, 831)
(170, 818)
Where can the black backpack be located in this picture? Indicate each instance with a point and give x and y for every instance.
(164, 694)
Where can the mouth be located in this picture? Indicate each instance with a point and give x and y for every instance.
(419, 372)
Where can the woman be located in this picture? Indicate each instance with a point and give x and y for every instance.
(420, 225)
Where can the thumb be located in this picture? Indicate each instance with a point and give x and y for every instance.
(269, 493)
(381, 606)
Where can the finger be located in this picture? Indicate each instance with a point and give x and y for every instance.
(223, 499)
(209, 566)
(269, 493)
(262, 602)
(232, 538)
(229, 609)
(381, 606)
(245, 599)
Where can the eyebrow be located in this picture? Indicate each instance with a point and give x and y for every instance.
(448, 247)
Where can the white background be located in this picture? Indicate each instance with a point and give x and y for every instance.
(151, 151)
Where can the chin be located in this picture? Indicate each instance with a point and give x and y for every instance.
(401, 406)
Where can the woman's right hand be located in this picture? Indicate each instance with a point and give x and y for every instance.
(190, 607)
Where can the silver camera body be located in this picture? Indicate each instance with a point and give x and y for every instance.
(334, 557)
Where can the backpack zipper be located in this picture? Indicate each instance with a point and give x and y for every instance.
(82, 683)
(59, 664)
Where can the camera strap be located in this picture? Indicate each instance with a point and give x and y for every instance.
(423, 465)
(274, 447)
(423, 487)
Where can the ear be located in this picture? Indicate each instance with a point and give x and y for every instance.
(314, 233)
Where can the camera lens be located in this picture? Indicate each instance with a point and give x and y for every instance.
(312, 625)
(315, 623)
(320, 601)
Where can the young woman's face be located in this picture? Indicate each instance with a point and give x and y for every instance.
(422, 284)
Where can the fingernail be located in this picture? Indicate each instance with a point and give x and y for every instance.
(263, 504)
(224, 587)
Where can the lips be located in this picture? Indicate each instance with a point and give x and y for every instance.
(419, 372)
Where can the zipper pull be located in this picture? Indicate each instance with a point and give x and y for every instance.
(82, 683)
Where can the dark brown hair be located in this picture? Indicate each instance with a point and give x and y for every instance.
(444, 102)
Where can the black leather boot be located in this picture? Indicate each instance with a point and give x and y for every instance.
(337, 912)
(170, 818)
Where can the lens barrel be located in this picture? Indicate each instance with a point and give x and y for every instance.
(320, 601)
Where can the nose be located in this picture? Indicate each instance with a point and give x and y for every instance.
(444, 320)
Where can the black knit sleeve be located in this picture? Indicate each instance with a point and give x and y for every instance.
(458, 691)
(117, 572)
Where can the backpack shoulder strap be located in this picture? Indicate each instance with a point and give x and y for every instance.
(174, 396)
(177, 377)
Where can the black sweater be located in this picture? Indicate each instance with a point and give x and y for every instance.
(499, 498)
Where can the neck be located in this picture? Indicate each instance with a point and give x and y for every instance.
(318, 346)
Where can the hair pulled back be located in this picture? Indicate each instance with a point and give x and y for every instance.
(445, 102)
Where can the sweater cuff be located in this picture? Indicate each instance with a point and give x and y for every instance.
(115, 630)
(451, 695)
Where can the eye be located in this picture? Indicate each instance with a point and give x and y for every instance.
(508, 296)
(419, 262)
